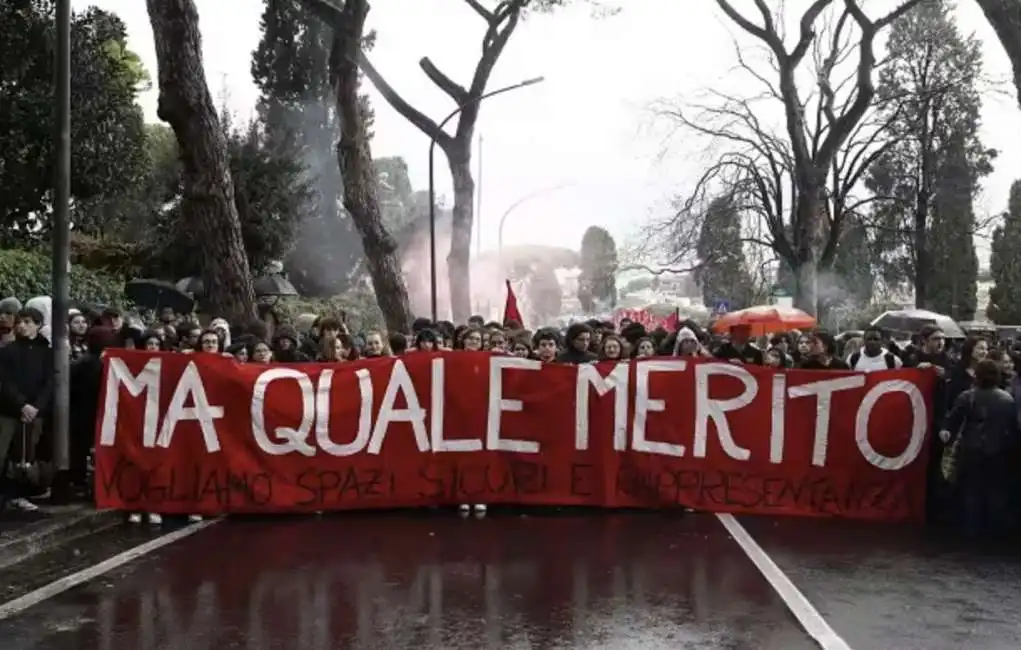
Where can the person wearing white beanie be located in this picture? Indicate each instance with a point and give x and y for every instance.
(45, 306)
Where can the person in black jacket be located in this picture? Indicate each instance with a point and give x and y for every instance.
(983, 422)
(26, 388)
(739, 347)
(823, 353)
(86, 378)
(576, 348)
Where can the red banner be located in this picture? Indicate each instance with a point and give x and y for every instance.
(201, 434)
(645, 318)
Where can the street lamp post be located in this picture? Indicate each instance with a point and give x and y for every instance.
(60, 293)
(433, 280)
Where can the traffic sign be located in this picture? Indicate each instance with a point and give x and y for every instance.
(721, 307)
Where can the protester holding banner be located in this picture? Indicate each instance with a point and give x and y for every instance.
(674, 419)
(576, 345)
(823, 353)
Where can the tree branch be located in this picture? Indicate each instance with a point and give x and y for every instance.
(664, 270)
(504, 22)
(841, 128)
(425, 124)
(333, 15)
(486, 14)
(807, 30)
(326, 11)
(456, 91)
(1005, 17)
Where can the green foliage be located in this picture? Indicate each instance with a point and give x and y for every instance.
(119, 259)
(107, 133)
(130, 213)
(1005, 265)
(272, 195)
(291, 67)
(401, 205)
(26, 274)
(862, 318)
(724, 272)
(927, 176)
(357, 306)
(953, 286)
(598, 278)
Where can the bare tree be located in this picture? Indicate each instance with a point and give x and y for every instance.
(354, 156)
(500, 22)
(807, 154)
(1005, 17)
(208, 189)
(798, 188)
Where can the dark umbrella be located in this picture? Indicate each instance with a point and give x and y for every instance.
(157, 294)
(913, 320)
(274, 285)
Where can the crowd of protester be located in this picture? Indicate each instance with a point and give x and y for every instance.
(976, 404)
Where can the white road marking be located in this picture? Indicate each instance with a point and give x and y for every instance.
(57, 587)
(809, 617)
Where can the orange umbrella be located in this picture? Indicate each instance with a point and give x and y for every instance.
(765, 319)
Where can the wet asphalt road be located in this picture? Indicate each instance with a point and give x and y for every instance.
(598, 580)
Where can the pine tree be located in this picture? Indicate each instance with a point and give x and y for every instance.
(598, 278)
(723, 275)
(1005, 265)
(930, 172)
(950, 237)
(291, 67)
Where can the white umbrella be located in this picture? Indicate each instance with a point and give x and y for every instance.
(913, 320)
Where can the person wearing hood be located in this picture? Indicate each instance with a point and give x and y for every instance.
(222, 329)
(44, 305)
(687, 344)
(9, 308)
(576, 345)
(26, 388)
(286, 346)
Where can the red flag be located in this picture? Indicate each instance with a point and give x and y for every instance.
(510, 308)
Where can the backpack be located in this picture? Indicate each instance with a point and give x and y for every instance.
(891, 361)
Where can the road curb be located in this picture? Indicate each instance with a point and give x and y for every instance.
(44, 535)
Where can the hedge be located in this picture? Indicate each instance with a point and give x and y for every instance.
(362, 311)
(26, 274)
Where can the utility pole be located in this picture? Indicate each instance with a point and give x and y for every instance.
(60, 290)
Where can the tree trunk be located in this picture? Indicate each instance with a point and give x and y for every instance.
(359, 173)
(1005, 17)
(923, 260)
(809, 246)
(459, 259)
(208, 190)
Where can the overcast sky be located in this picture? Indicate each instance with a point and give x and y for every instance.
(588, 125)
